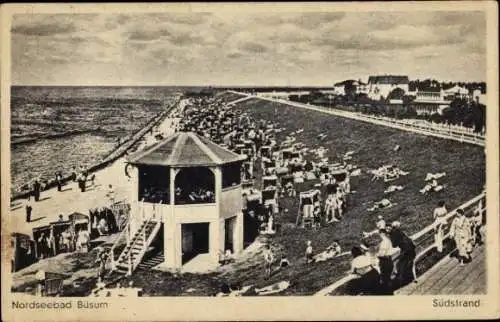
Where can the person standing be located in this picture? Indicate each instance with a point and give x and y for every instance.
(477, 221)
(29, 209)
(73, 174)
(79, 178)
(36, 189)
(111, 194)
(460, 231)
(269, 259)
(439, 216)
(102, 258)
(59, 181)
(51, 245)
(309, 252)
(384, 254)
(405, 274)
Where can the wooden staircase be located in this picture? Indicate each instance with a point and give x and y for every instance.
(135, 249)
(152, 262)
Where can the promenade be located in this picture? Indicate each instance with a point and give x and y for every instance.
(448, 277)
(53, 203)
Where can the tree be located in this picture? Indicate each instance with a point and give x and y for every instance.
(396, 94)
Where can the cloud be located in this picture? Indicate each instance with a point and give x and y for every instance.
(190, 19)
(249, 46)
(456, 18)
(312, 20)
(185, 39)
(143, 35)
(253, 47)
(44, 29)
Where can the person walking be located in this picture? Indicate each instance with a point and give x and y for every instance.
(460, 231)
(29, 209)
(439, 216)
(405, 273)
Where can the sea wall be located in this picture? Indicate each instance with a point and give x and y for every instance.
(117, 153)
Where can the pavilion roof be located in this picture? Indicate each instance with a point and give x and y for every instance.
(185, 149)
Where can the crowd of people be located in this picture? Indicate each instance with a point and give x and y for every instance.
(62, 236)
(373, 264)
(38, 185)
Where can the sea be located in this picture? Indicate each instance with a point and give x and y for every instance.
(54, 128)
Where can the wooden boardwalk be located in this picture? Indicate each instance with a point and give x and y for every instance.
(448, 277)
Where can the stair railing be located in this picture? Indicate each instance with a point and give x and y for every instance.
(146, 239)
(125, 233)
(141, 234)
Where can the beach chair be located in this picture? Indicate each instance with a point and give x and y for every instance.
(306, 212)
(270, 198)
(287, 184)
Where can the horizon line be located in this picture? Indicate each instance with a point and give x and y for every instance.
(224, 85)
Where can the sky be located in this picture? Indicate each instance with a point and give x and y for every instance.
(245, 48)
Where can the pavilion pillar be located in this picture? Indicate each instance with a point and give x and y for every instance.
(135, 209)
(216, 243)
(172, 236)
(238, 233)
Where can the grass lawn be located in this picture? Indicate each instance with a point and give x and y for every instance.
(464, 165)
(465, 176)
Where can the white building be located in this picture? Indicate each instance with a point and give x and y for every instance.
(456, 92)
(168, 180)
(430, 100)
(380, 86)
(339, 88)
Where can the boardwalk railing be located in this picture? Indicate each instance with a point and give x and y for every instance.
(424, 241)
(452, 132)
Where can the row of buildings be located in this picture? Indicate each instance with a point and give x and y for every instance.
(427, 97)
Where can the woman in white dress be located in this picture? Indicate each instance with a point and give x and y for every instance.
(439, 216)
(460, 231)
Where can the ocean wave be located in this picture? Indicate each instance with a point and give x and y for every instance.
(27, 138)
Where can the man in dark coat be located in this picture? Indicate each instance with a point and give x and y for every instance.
(36, 189)
(407, 257)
